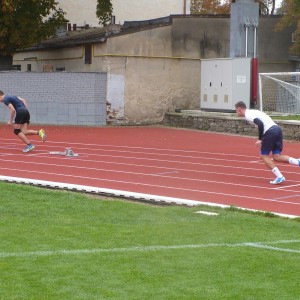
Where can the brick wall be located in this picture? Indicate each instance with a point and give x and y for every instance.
(227, 123)
(58, 98)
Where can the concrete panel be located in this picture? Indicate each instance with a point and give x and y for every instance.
(200, 37)
(244, 17)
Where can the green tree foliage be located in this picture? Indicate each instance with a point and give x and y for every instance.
(214, 7)
(210, 7)
(26, 22)
(290, 10)
(291, 16)
(104, 11)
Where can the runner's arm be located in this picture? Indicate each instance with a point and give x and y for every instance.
(260, 126)
(12, 113)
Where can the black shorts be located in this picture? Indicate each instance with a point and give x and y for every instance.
(272, 141)
(22, 117)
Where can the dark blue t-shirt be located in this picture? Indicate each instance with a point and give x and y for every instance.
(15, 101)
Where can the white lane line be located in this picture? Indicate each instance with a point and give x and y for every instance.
(165, 173)
(261, 245)
(137, 183)
(159, 167)
(135, 158)
(160, 174)
(286, 186)
(192, 163)
(93, 147)
(41, 152)
(169, 170)
(287, 197)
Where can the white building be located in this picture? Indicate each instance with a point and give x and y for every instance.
(84, 12)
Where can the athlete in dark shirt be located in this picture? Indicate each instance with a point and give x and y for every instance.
(20, 115)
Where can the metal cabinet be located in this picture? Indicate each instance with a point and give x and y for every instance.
(224, 82)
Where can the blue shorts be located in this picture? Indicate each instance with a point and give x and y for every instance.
(22, 117)
(272, 141)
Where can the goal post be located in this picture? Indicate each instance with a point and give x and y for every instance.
(280, 92)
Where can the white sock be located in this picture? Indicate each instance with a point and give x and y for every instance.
(293, 161)
(277, 172)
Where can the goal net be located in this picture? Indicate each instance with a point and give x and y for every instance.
(280, 92)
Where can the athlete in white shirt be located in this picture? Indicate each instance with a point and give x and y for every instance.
(269, 139)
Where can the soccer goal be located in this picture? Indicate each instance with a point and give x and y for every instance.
(280, 92)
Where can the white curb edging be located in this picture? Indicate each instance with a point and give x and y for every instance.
(122, 194)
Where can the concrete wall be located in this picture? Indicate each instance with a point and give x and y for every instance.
(200, 37)
(153, 42)
(141, 90)
(155, 86)
(84, 12)
(58, 98)
(273, 54)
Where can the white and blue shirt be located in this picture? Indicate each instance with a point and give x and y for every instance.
(259, 118)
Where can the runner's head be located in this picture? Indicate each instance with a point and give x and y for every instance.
(240, 108)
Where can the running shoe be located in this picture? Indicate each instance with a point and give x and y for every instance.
(42, 134)
(28, 148)
(278, 180)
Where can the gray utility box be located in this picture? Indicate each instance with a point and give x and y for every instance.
(224, 82)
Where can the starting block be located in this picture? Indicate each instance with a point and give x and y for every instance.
(68, 152)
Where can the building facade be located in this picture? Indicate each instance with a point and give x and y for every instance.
(153, 69)
(84, 12)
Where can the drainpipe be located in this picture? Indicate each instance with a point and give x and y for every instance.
(246, 25)
(254, 66)
(184, 7)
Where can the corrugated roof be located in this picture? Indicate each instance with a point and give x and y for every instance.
(97, 35)
(78, 37)
(74, 38)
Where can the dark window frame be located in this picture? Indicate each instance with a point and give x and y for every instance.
(88, 54)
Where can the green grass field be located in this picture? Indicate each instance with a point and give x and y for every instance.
(288, 117)
(64, 245)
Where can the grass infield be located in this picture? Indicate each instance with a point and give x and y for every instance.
(287, 117)
(64, 245)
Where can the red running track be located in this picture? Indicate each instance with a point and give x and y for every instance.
(178, 163)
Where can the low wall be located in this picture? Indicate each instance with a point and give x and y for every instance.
(227, 123)
(58, 98)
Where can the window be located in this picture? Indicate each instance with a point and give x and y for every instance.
(28, 67)
(17, 67)
(47, 68)
(295, 37)
(88, 54)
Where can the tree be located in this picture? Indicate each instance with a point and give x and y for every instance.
(104, 11)
(26, 22)
(211, 7)
(267, 7)
(291, 16)
(214, 7)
